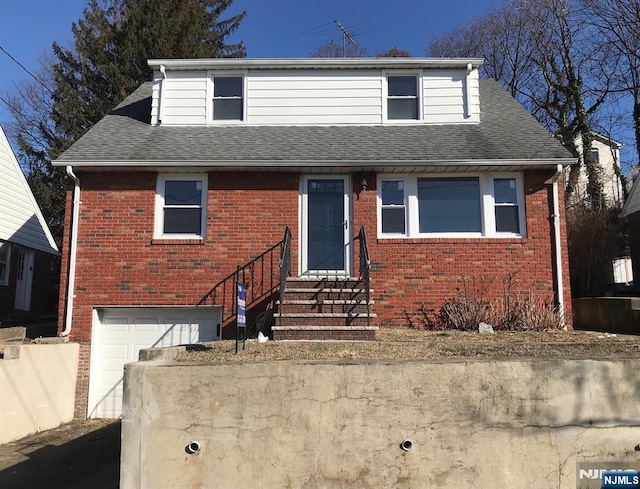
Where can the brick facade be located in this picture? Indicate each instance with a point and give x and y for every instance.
(120, 264)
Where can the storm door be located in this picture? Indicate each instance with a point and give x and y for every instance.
(325, 226)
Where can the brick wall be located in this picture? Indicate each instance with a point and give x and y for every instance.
(411, 275)
(120, 264)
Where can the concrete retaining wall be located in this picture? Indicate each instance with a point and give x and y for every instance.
(313, 425)
(37, 388)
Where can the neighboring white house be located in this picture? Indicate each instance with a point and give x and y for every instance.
(26, 244)
(606, 152)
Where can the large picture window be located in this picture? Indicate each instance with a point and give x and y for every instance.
(4, 262)
(477, 205)
(449, 205)
(181, 206)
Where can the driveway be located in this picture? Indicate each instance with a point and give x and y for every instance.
(78, 455)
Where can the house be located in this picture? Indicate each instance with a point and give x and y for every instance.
(631, 212)
(26, 246)
(369, 189)
(606, 153)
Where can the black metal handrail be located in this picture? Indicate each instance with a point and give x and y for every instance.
(260, 276)
(365, 268)
(285, 264)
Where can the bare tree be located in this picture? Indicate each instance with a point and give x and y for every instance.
(546, 56)
(618, 25)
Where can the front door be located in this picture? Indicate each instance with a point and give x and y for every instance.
(326, 240)
(24, 280)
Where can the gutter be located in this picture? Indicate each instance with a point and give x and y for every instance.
(71, 278)
(161, 94)
(313, 63)
(557, 243)
(468, 90)
(131, 163)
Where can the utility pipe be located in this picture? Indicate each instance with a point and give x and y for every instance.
(557, 242)
(71, 277)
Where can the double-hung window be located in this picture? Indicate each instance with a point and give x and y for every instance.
(507, 206)
(228, 100)
(482, 205)
(4, 262)
(402, 97)
(181, 206)
(393, 207)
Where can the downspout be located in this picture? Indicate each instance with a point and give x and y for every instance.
(468, 90)
(71, 278)
(161, 94)
(557, 242)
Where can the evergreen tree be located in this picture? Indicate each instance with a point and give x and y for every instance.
(107, 61)
(112, 44)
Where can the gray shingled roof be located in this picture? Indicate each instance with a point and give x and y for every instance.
(506, 132)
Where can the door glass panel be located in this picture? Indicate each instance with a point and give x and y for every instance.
(325, 247)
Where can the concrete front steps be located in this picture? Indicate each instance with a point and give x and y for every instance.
(324, 309)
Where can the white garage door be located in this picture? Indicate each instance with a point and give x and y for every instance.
(120, 333)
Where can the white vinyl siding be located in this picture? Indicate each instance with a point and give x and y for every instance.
(444, 97)
(21, 221)
(315, 97)
(183, 97)
(327, 98)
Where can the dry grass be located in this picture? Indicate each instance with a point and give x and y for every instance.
(393, 344)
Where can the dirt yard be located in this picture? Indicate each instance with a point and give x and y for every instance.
(414, 344)
(77, 455)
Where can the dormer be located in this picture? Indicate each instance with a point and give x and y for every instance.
(343, 91)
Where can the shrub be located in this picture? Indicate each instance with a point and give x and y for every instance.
(468, 309)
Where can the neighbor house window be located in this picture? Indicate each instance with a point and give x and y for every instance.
(181, 206)
(485, 204)
(228, 103)
(393, 207)
(402, 97)
(4, 263)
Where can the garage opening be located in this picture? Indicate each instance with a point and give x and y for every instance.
(119, 333)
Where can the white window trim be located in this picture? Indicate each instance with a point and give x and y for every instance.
(385, 96)
(159, 207)
(487, 209)
(405, 204)
(209, 108)
(5, 280)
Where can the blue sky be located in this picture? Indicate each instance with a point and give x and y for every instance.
(272, 29)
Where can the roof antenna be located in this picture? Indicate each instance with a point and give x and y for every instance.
(345, 36)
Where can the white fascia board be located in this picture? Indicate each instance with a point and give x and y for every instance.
(313, 63)
(315, 163)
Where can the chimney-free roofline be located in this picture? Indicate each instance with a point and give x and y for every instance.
(314, 63)
(529, 163)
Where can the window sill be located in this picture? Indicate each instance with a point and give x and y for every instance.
(454, 240)
(177, 241)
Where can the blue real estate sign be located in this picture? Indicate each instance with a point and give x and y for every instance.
(242, 305)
